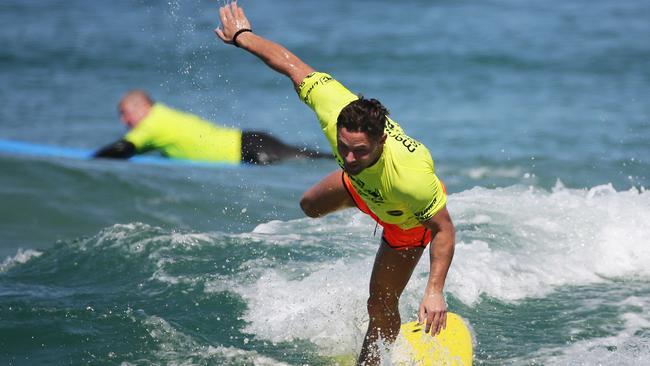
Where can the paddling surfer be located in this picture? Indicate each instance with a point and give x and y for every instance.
(181, 135)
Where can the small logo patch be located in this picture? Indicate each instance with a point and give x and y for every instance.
(395, 213)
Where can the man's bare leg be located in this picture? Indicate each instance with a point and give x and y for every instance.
(326, 196)
(390, 274)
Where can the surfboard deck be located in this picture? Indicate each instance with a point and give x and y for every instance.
(452, 347)
(29, 149)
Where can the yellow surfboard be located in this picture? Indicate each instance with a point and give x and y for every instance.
(452, 347)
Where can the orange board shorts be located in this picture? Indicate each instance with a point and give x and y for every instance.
(393, 235)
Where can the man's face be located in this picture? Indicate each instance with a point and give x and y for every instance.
(129, 114)
(358, 150)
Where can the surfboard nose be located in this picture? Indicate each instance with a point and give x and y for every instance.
(453, 346)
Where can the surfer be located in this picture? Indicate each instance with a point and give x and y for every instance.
(385, 173)
(180, 135)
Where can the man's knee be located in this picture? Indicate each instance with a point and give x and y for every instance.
(309, 206)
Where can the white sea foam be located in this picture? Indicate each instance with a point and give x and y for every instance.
(491, 172)
(629, 346)
(619, 350)
(22, 256)
(513, 243)
(350, 226)
(326, 306)
(178, 348)
(529, 241)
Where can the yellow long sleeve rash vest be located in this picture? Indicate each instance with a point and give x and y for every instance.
(181, 135)
(401, 188)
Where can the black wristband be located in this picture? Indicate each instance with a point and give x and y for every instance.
(234, 37)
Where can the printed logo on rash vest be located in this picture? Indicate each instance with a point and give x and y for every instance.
(366, 193)
(409, 143)
(324, 79)
(426, 214)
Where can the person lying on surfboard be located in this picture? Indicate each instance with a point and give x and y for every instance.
(385, 173)
(180, 135)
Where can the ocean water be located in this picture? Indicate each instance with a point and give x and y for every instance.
(537, 115)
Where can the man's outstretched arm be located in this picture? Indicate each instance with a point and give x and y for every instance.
(233, 21)
(120, 149)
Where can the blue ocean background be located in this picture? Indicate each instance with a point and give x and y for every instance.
(537, 115)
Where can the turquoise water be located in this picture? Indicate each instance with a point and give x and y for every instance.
(537, 116)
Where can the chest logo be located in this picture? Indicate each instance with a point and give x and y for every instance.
(395, 213)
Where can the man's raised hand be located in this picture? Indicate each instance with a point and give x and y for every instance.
(233, 20)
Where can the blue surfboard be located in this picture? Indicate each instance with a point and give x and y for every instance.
(12, 147)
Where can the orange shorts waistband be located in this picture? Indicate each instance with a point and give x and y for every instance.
(393, 235)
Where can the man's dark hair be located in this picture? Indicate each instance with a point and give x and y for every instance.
(364, 115)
